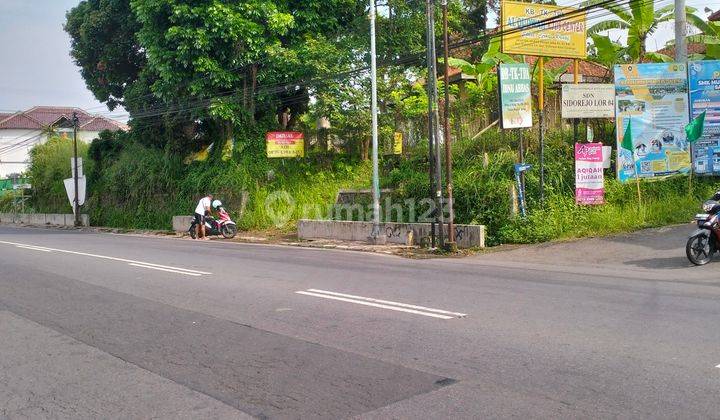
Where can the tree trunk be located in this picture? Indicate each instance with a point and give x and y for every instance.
(253, 89)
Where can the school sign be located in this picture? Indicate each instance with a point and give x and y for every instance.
(543, 30)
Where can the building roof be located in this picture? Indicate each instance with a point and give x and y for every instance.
(693, 48)
(41, 117)
(586, 68)
(714, 17)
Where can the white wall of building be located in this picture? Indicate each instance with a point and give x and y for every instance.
(26, 140)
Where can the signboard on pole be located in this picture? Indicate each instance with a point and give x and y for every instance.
(515, 98)
(589, 176)
(285, 144)
(653, 100)
(588, 100)
(80, 167)
(564, 34)
(398, 143)
(70, 190)
(705, 97)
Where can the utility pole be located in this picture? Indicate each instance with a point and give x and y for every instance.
(375, 236)
(680, 32)
(76, 202)
(433, 137)
(450, 244)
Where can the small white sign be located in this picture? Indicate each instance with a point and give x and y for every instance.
(588, 100)
(70, 189)
(607, 154)
(80, 167)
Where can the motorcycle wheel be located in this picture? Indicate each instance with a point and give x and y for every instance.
(229, 231)
(699, 248)
(192, 232)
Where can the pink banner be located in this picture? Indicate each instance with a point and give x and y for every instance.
(589, 176)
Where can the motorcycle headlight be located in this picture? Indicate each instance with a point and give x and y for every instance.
(708, 206)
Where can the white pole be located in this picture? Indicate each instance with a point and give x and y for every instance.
(375, 235)
(680, 32)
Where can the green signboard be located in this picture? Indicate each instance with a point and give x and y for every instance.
(515, 97)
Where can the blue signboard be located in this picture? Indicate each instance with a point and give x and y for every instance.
(704, 79)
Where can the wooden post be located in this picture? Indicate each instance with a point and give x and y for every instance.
(541, 106)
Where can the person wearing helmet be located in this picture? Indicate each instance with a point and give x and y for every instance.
(202, 209)
(216, 204)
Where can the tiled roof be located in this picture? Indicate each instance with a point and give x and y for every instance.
(587, 68)
(41, 117)
(714, 17)
(693, 48)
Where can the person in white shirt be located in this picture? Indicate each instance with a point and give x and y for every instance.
(203, 209)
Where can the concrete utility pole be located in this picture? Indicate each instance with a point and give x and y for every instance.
(76, 202)
(450, 244)
(680, 32)
(375, 236)
(433, 137)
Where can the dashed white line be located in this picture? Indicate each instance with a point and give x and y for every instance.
(718, 366)
(187, 273)
(383, 304)
(105, 257)
(34, 248)
(388, 302)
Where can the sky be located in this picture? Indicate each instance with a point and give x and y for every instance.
(36, 66)
(37, 69)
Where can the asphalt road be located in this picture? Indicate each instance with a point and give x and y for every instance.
(113, 326)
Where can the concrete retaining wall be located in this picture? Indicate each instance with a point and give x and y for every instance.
(43, 219)
(181, 223)
(467, 236)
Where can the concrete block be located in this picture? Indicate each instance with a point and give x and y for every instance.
(181, 223)
(36, 219)
(466, 236)
(55, 219)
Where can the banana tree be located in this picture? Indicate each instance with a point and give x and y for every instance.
(710, 36)
(641, 20)
(483, 71)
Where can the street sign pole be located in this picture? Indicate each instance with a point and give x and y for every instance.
(375, 235)
(436, 185)
(450, 244)
(76, 201)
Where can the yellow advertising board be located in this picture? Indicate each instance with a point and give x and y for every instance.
(561, 36)
(398, 143)
(285, 144)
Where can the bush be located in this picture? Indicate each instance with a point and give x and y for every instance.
(49, 166)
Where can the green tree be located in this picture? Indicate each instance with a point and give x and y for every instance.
(641, 20)
(709, 35)
(104, 46)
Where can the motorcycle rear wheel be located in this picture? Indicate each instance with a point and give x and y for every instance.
(699, 248)
(229, 231)
(192, 231)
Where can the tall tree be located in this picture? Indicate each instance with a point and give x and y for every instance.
(640, 19)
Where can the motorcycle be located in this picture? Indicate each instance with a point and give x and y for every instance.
(214, 227)
(705, 241)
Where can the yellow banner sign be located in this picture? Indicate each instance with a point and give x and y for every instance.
(398, 143)
(285, 144)
(543, 30)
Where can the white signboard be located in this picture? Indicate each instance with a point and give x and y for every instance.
(80, 167)
(588, 100)
(70, 189)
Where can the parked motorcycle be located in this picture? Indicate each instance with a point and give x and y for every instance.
(214, 227)
(705, 241)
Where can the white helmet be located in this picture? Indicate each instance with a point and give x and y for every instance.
(216, 204)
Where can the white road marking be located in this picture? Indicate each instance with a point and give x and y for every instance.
(388, 302)
(166, 269)
(376, 305)
(718, 366)
(105, 257)
(34, 248)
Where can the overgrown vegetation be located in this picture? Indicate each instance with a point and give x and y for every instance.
(133, 186)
